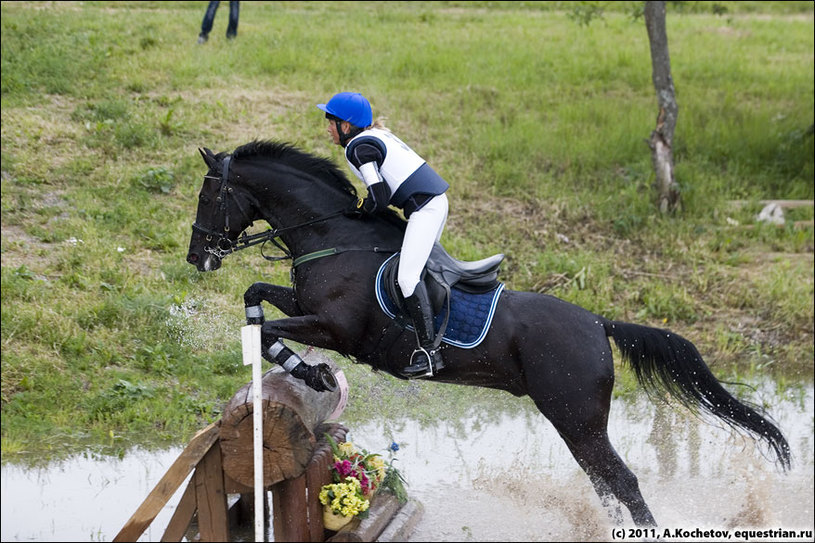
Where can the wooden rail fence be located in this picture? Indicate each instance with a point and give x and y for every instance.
(296, 462)
(219, 497)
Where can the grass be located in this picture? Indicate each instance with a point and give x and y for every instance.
(539, 122)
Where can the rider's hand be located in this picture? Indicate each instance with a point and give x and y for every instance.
(355, 210)
(369, 205)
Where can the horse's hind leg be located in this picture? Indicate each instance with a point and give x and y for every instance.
(609, 473)
(588, 441)
(607, 498)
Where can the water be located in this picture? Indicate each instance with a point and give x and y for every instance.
(491, 476)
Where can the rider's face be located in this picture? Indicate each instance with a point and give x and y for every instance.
(345, 126)
(332, 131)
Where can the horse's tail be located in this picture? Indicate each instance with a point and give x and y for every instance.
(664, 361)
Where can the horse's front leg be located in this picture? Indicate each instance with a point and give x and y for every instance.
(302, 328)
(281, 297)
(305, 329)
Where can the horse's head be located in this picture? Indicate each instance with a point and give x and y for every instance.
(221, 216)
(302, 197)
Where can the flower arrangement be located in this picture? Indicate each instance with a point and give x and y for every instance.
(357, 476)
(344, 499)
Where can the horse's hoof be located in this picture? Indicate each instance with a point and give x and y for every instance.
(321, 378)
(329, 382)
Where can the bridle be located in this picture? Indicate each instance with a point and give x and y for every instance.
(224, 246)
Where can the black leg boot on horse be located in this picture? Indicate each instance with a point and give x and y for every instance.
(425, 361)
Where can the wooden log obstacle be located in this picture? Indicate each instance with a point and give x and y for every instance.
(218, 498)
(292, 413)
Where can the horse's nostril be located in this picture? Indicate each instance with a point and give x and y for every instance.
(192, 258)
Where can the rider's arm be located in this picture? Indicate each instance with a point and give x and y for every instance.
(379, 193)
(367, 158)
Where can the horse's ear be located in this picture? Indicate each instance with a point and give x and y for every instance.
(209, 157)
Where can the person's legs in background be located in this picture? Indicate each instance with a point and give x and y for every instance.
(209, 18)
(234, 12)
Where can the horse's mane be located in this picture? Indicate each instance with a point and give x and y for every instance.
(321, 168)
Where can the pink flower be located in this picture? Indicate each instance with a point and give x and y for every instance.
(366, 484)
(344, 468)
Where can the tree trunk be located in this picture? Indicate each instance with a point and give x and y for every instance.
(293, 413)
(661, 141)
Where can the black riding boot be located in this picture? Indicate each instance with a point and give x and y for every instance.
(420, 310)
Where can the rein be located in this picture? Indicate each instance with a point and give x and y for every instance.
(225, 246)
(335, 251)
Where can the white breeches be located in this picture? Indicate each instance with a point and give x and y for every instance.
(424, 228)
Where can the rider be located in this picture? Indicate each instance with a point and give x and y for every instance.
(395, 175)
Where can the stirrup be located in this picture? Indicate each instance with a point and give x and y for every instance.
(424, 368)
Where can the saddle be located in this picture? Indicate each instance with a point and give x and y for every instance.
(442, 275)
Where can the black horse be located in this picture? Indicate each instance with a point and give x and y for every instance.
(556, 352)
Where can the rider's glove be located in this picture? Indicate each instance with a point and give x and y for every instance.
(355, 210)
(379, 194)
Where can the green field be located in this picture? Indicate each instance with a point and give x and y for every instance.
(539, 123)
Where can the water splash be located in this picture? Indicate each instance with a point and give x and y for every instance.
(203, 325)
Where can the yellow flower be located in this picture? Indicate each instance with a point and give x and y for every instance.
(347, 448)
(344, 498)
(324, 495)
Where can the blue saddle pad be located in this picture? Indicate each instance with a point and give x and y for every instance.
(470, 314)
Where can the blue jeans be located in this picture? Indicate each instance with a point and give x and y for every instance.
(209, 17)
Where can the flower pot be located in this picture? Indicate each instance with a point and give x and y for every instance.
(333, 521)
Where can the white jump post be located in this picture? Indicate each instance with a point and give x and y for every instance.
(250, 340)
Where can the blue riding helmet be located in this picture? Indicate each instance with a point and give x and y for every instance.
(351, 107)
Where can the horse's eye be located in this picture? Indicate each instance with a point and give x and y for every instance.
(204, 198)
